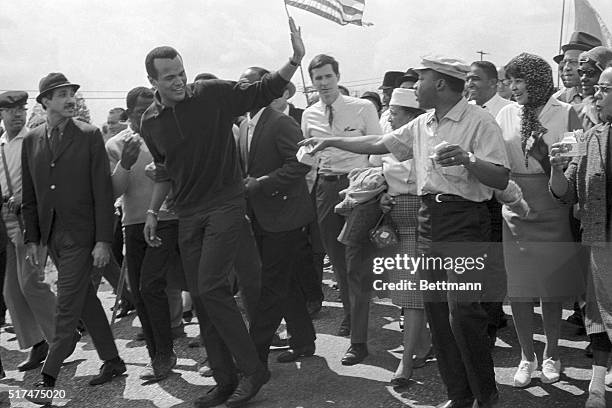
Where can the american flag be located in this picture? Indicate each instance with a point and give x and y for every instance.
(340, 11)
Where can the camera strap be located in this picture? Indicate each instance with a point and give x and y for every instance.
(9, 184)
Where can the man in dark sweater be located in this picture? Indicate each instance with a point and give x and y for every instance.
(188, 132)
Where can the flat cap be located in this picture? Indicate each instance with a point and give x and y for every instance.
(10, 99)
(451, 66)
(600, 56)
(404, 97)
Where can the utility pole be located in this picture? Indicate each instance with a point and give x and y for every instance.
(482, 53)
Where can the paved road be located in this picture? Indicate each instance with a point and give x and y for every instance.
(317, 382)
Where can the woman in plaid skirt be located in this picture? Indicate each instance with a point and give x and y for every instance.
(401, 203)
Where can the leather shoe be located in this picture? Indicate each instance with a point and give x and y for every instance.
(147, 374)
(489, 403)
(41, 398)
(277, 342)
(461, 403)
(355, 354)
(75, 340)
(124, 309)
(215, 396)
(140, 336)
(290, 355)
(37, 355)
(248, 387)
(163, 365)
(109, 370)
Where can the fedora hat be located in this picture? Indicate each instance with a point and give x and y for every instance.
(578, 41)
(390, 79)
(53, 81)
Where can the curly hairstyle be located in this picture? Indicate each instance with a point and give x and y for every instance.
(537, 74)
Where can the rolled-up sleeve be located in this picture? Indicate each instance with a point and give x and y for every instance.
(400, 142)
(489, 144)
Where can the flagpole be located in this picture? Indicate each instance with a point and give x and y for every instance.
(301, 70)
(561, 39)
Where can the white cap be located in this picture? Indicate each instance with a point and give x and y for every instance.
(404, 97)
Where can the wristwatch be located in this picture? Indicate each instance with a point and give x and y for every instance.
(472, 158)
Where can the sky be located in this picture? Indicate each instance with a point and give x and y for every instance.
(101, 45)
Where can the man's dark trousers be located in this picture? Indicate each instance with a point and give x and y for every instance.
(76, 299)
(330, 225)
(147, 271)
(457, 321)
(208, 240)
(281, 295)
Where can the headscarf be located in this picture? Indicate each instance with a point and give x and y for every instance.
(537, 74)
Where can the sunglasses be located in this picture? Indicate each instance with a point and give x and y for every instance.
(589, 73)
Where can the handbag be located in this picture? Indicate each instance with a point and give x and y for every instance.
(383, 235)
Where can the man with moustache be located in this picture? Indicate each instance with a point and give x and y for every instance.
(339, 115)
(29, 299)
(453, 220)
(68, 206)
(188, 132)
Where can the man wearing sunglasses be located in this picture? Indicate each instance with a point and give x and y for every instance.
(592, 63)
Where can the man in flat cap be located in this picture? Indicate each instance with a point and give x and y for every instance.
(568, 66)
(460, 158)
(68, 206)
(29, 299)
(592, 64)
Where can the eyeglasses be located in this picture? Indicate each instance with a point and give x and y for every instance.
(604, 89)
(505, 82)
(590, 73)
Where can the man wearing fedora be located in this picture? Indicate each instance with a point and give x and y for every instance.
(29, 299)
(568, 66)
(391, 81)
(68, 206)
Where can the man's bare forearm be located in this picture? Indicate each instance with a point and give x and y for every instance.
(370, 144)
(160, 192)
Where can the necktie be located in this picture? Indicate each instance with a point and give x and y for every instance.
(54, 140)
(330, 114)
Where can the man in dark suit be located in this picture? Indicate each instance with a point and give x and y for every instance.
(279, 207)
(68, 206)
(312, 253)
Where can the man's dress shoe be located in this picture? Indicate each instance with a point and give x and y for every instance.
(355, 354)
(37, 355)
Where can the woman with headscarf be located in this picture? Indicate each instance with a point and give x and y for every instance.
(401, 203)
(538, 248)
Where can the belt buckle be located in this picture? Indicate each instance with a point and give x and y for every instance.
(437, 198)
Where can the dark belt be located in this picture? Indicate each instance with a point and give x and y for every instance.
(336, 177)
(447, 198)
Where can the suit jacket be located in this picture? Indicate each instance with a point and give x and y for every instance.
(296, 113)
(71, 189)
(282, 203)
(587, 181)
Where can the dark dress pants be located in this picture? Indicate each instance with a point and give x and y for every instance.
(281, 295)
(247, 268)
(496, 291)
(457, 321)
(147, 272)
(208, 242)
(312, 254)
(330, 225)
(76, 299)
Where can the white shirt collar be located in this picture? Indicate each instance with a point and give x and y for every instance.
(4, 138)
(253, 120)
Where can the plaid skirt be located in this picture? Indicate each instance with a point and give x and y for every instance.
(404, 216)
